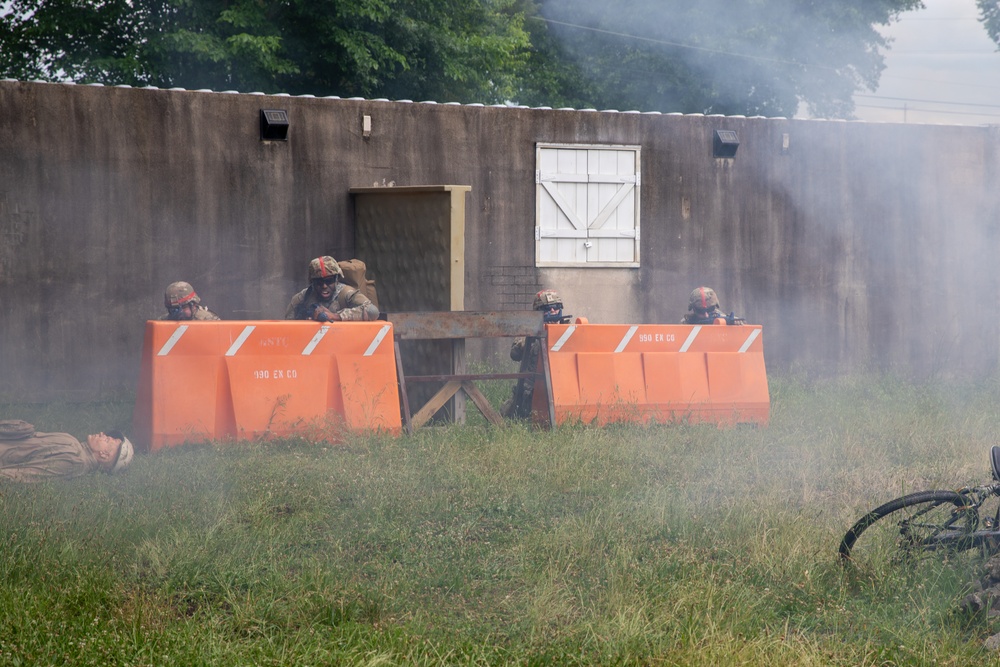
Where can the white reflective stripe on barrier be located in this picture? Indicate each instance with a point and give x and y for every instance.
(626, 338)
(308, 349)
(690, 338)
(169, 345)
(238, 343)
(378, 339)
(565, 337)
(749, 341)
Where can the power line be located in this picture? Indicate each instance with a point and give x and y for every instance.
(943, 18)
(911, 99)
(681, 45)
(939, 81)
(943, 53)
(907, 108)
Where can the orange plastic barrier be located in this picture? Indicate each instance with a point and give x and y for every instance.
(204, 381)
(604, 373)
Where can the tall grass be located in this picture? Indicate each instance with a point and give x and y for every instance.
(674, 545)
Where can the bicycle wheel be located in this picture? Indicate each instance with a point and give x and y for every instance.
(910, 527)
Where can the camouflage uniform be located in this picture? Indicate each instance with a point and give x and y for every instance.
(202, 314)
(179, 294)
(348, 302)
(706, 317)
(526, 351)
(703, 308)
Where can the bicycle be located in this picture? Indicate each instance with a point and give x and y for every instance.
(925, 523)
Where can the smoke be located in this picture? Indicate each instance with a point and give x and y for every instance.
(856, 233)
(721, 56)
(889, 234)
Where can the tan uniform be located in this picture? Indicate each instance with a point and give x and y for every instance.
(201, 314)
(45, 456)
(346, 301)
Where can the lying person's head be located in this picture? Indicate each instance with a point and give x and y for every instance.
(112, 450)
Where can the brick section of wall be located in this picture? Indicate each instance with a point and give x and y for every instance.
(515, 286)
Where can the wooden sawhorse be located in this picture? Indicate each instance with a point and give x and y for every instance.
(457, 327)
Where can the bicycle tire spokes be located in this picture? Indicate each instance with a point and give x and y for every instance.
(911, 528)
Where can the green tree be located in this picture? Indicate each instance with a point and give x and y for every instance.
(465, 50)
(446, 50)
(69, 40)
(712, 56)
(989, 15)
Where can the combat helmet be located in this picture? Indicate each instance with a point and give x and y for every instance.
(703, 298)
(179, 294)
(324, 267)
(545, 298)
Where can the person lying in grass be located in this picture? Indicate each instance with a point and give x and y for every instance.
(27, 455)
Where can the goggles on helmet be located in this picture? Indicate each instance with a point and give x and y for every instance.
(552, 313)
(330, 280)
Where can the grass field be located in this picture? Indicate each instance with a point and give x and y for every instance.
(670, 545)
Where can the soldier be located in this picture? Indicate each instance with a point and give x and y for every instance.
(29, 456)
(525, 350)
(183, 303)
(703, 308)
(329, 300)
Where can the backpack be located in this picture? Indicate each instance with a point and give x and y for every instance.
(355, 275)
(15, 429)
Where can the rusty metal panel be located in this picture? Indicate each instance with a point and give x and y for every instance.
(467, 324)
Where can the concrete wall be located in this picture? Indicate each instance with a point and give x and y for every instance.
(860, 245)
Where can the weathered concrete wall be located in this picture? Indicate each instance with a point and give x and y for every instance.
(860, 245)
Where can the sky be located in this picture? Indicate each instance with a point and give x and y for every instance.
(942, 67)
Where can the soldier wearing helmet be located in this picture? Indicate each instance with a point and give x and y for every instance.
(703, 308)
(183, 303)
(29, 456)
(525, 350)
(327, 299)
(550, 303)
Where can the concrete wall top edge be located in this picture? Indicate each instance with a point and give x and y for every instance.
(383, 100)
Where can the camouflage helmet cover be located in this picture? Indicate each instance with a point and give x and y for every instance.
(545, 298)
(179, 294)
(703, 298)
(324, 267)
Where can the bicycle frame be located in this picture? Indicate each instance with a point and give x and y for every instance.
(924, 523)
(977, 538)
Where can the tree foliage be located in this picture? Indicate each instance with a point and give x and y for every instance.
(452, 49)
(712, 56)
(724, 56)
(989, 15)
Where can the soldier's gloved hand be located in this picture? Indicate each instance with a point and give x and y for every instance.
(323, 314)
